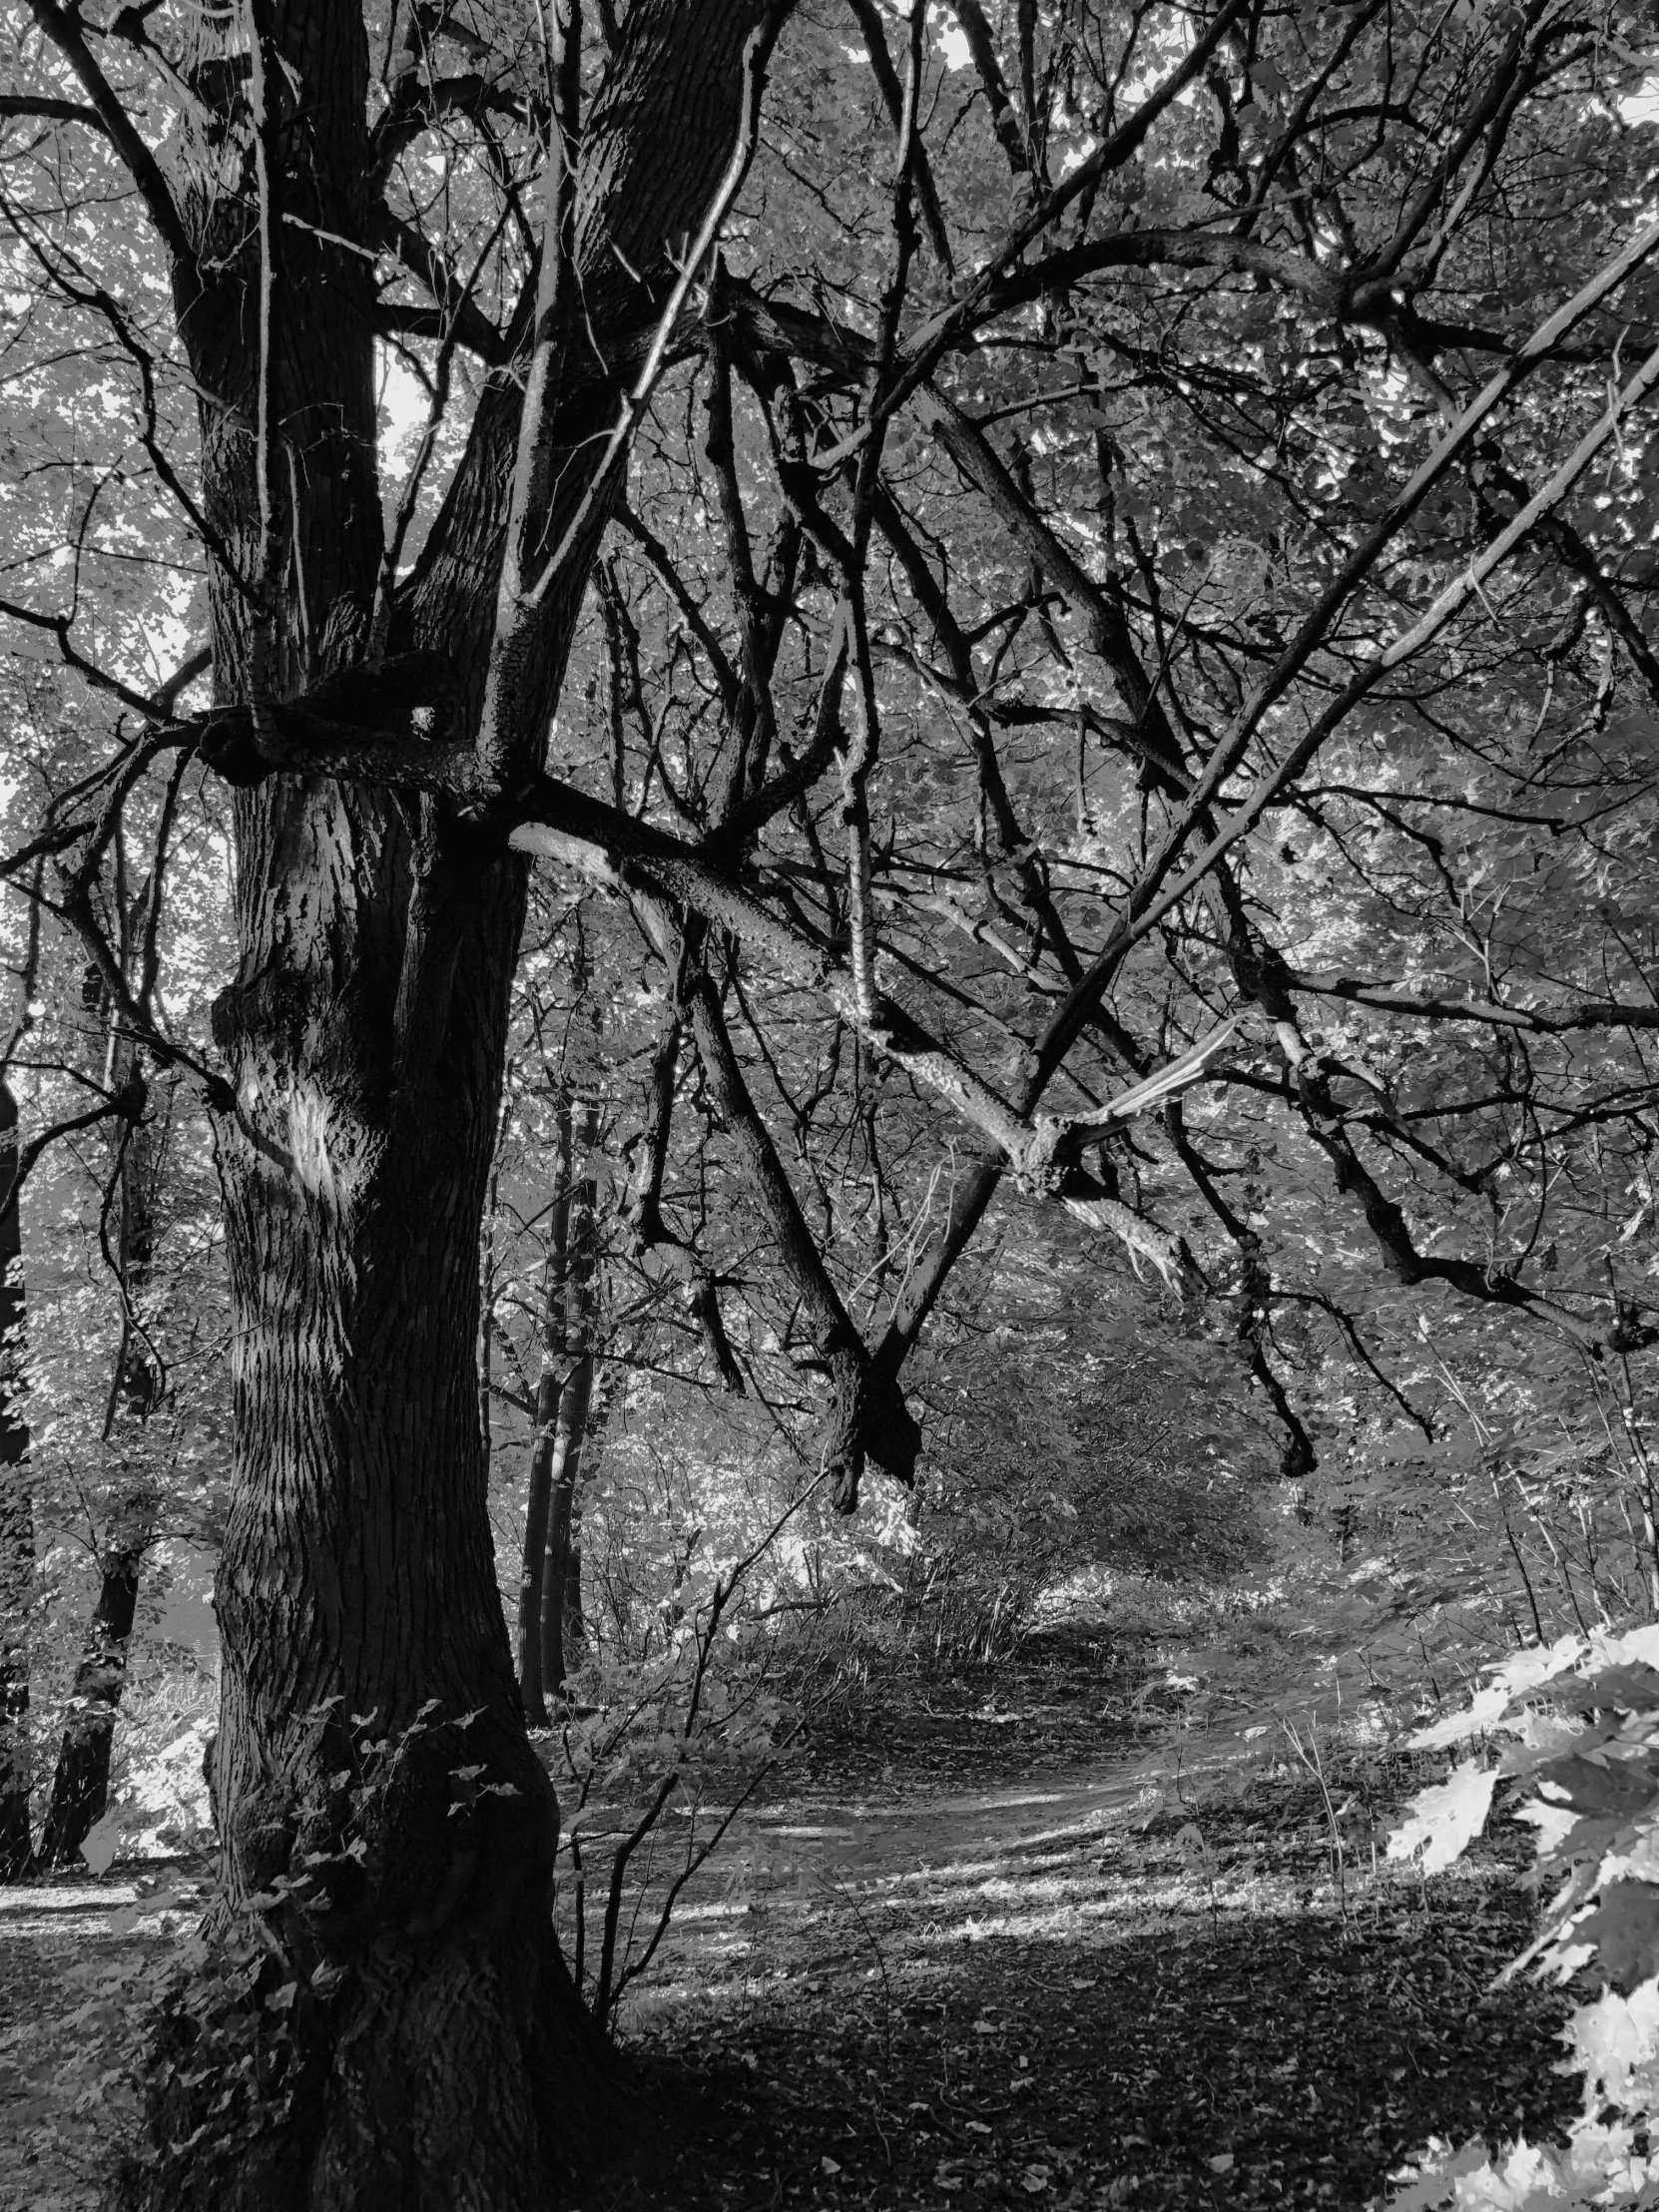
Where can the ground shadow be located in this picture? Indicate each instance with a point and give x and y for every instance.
(1008, 2036)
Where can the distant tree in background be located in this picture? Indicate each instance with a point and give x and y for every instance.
(112, 1381)
(17, 1536)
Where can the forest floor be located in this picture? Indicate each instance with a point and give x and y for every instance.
(991, 1950)
(972, 1952)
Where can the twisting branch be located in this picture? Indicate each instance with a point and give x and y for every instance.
(1017, 850)
(1152, 897)
(29, 1153)
(39, 108)
(1107, 632)
(1593, 1014)
(1500, 97)
(84, 292)
(982, 48)
(63, 28)
(697, 622)
(750, 712)
(928, 345)
(1252, 1301)
(868, 1418)
(100, 679)
(455, 303)
(892, 93)
(529, 575)
(1403, 647)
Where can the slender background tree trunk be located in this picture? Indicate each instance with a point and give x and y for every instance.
(17, 1526)
(550, 1384)
(81, 1784)
(570, 1429)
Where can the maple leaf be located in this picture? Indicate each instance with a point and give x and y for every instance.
(1624, 1929)
(1445, 1818)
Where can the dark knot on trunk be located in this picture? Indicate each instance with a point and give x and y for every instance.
(869, 1420)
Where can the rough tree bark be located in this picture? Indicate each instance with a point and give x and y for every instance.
(381, 1809)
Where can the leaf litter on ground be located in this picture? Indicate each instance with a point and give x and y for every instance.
(1196, 2006)
(973, 1986)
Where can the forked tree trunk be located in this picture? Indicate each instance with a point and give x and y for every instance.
(17, 1525)
(381, 1809)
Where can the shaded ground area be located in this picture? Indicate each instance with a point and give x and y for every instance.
(76, 1957)
(1087, 2016)
(1007, 1964)
(968, 1959)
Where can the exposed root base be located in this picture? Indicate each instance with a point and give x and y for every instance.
(459, 2077)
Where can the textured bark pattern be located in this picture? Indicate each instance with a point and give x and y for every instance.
(373, 1750)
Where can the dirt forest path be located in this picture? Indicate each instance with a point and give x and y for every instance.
(1004, 1968)
(954, 1964)
(874, 1841)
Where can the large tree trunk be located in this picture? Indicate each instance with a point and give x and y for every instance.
(381, 1809)
(17, 1525)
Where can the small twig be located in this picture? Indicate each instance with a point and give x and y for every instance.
(603, 2001)
(638, 1967)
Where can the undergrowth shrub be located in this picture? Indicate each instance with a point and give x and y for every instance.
(1576, 1722)
(653, 1759)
